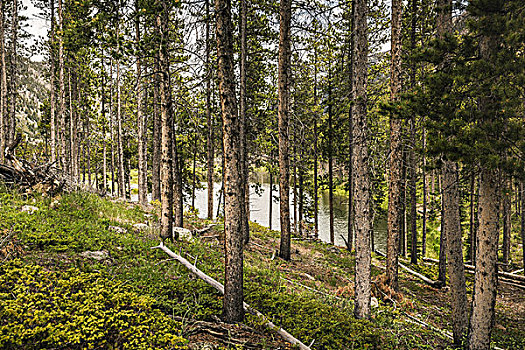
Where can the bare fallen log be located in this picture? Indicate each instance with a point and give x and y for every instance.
(218, 286)
(471, 268)
(425, 279)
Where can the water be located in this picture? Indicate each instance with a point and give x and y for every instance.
(260, 207)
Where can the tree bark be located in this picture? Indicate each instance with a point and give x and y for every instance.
(425, 198)
(485, 278)
(351, 219)
(13, 89)
(522, 228)
(285, 11)
(52, 80)
(178, 198)
(209, 119)
(141, 120)
(242, 115)
(330, 160)
(507, 210)
(316, 197)
(442, 268)
(472, 226)
(61, 90)
(233, 185)
(166, 117)
(412, 190)
(360, 162)
(456, 270)
(157, 134)
(395, 205)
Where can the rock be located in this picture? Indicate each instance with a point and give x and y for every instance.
(373, 302)
(118, 229)
(183, 233)
(140, 227)
(97, 255)
(29, 209)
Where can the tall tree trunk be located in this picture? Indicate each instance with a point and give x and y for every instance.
(120, 141)
(113, 137)
(194, 169)
(316, 196)
(270, 210)
(61, 89)
(472, 229)
(330, 160)
(412, 190)
(456, 270)
(294, 178)
(507, 210)
(242, 114)
(425, 198)
(157, 134)
(141, 120)
(522, 228)
(72, 131)
(52, 81)
(13, 89)
(285, 11)
(178, 165)
(233, 310)
(360, 163)
(485, 278)
(350, 235)
(210, 157)
(166, 166)
(395, 204)
(442, 267)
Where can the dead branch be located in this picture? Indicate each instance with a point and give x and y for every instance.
(218, 286)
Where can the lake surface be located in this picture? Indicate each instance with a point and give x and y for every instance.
(260, 207)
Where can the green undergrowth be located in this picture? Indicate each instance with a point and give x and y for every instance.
(43, 309)
(54, 297)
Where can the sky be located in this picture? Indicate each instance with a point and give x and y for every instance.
(37, 27)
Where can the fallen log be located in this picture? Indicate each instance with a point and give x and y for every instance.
(219, 287)
(424, 278)
(470, 268)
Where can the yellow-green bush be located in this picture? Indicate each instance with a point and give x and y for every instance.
(42, 309)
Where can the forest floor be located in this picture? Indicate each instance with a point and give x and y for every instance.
(76, 273)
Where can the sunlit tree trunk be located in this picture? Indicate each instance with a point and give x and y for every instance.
(157, 134)
(166, 168)
(233, 310)
(360, 162)
(243, 16)
(141, 120)
(283, 113)
(395, 205)
(210, 156)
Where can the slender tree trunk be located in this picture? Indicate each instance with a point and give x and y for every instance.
(402, 235)
(507, 209)
(316, 196)
(209, 118)
(425, 199)
(194, 168)
(166, 110)
(301, 195)
(283, 112)
(360, 163)
(522, 228)
(271, 201)
(484, 295)
(178, 165)
(157, 135)
(395, 205)
(61, 92)
(350, 236)
(472, 232)
(456, 270)
(141, 121)
(113, 137)
(242, 114)
(233, 310)
(72, 131)
(120, 141)
(294, 177)
(52, 80)
(412, 190)
(13, 89)
(330, 160)
(442, 274)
